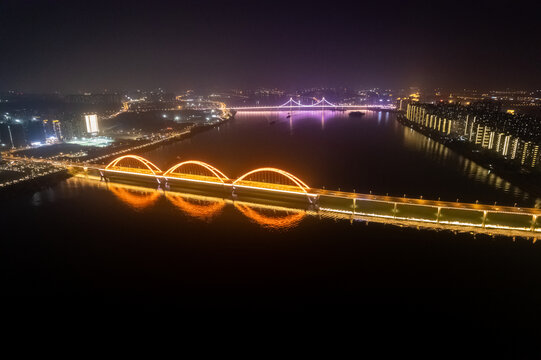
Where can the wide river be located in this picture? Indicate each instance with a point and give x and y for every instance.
(86, 240)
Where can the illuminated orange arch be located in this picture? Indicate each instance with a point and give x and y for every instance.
(300, 184)
(153, 168)
(217, 173)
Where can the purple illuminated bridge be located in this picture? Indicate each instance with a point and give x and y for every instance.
(322, 104)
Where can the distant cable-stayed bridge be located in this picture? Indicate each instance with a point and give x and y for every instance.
(322, 104)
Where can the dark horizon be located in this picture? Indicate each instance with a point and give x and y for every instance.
(89, 45)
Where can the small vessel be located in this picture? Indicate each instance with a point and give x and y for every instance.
(356, 114)
(288, 116)
(272, 122)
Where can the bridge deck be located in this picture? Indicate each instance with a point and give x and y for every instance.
(442, 213)
(342, 194)
(433, 203)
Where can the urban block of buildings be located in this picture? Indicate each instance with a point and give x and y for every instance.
(514, 137)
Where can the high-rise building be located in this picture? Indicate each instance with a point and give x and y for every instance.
(57, 129)
(515, 137)
(91, 121)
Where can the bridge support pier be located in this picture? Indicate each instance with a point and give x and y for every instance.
(484, 218)
(102, 176)
(159, 184)
(534, 220)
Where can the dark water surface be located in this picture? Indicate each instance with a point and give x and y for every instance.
(331, 150)
(88, 241)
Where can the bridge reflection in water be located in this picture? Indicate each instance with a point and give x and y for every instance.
(271, 217)
(136, 198)
(291, 198)
(199, 207)
(206, 208)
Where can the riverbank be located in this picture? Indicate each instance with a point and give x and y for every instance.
(43, 182)
(141, 149)
(528, 180)
(192, 132)
(35, 184)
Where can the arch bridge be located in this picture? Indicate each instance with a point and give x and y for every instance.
(268, 180)
(195, 171)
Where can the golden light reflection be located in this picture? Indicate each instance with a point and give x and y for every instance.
(199, 208)
(137, 198)
(444, 155)
(272, 219)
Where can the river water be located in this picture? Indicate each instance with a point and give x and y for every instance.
(87, 240)
(332, 150)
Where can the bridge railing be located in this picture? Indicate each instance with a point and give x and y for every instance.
(397, 208)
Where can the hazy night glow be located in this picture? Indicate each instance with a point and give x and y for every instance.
(368, 163)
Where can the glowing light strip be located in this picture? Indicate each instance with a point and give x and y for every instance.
(291, 101)
(300, 183)
(291, 177)
(168, 178)
(316, 105)
(131, 173)
(220, 175)
(399, 201)
(503, 227)
(153, 168)
(507, 227)
(198, 180)
(215, 183)
(276, 190)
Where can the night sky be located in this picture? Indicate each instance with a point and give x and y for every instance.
(71, 46)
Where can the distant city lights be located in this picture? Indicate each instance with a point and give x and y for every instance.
(98, 141)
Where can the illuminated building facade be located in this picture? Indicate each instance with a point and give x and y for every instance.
(515, 137)
(91, 121)
(57, 129)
